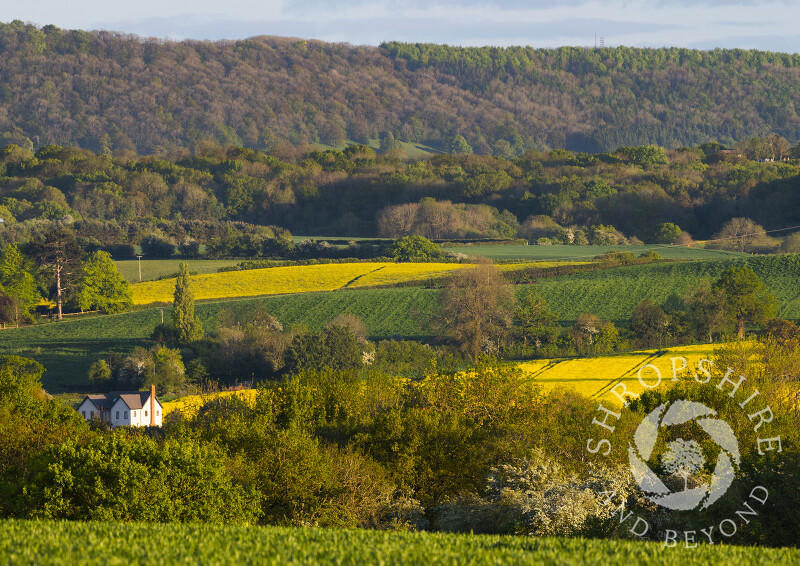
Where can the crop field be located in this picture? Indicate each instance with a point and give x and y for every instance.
(584, 253)
(68, 348)
(538, 264)
(155, 268)
(594, 376)
(190, 404)
(590, 376)
(389, 273)
(67, 543)
(613, 293)
(289, 279)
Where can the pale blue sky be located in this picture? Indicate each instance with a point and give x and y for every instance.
(768, 24)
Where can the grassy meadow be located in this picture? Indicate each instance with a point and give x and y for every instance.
(66, 543)
(584, 253)
(155, 268)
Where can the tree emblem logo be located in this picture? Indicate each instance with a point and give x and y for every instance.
(682, 457)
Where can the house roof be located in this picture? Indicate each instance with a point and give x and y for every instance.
(133, 399)
(100, 401)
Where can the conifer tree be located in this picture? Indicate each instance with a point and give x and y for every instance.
(187, 326)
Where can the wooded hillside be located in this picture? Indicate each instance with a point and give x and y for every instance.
(111, 92)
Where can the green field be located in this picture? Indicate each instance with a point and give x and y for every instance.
(67, 543)
(68, 348)
(582, 253)
(155, 268)
(613, 293)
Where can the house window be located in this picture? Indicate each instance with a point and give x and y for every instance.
(134, 413)
(158, 413)
(92, 414)
(84, 414)
(145, 413)
(126, 414)
(117, 415)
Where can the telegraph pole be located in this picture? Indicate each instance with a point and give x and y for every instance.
(140, 268)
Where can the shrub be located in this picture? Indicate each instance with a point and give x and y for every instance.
(157, 246)
(409, 248)
(536, 497)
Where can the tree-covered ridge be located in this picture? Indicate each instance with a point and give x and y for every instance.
(231, 199)
(111, 92)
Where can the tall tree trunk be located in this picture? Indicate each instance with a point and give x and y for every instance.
(741, 328)
(58, 289)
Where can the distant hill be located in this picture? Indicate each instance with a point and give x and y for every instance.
(107, 91)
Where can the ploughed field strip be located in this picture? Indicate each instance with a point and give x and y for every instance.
(594, 376)
(290, 279)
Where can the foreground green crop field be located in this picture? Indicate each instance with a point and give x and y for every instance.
(64, 543)
(583, 253)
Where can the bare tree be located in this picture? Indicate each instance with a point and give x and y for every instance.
(740, 234)
(477, 309)
(397, 221)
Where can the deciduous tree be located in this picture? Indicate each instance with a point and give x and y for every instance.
(746, 297)
(101, 285)
(477, 306)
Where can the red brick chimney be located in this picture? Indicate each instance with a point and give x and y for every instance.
(152, 405)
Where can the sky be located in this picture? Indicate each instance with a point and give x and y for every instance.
(770, 25)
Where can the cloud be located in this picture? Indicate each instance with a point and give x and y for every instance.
(776, 43)
(302, 6)
(373, 30)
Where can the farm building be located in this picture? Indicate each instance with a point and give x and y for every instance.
(124, 408)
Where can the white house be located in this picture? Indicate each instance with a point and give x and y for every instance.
(124, 408)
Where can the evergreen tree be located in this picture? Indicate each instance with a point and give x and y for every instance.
(187, 325)
(57, 251)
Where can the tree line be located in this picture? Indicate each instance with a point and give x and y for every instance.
(236, 201)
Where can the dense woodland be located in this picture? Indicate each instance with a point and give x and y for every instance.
(112, 92)
(200, 197)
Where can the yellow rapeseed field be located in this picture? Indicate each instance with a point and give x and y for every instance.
(389, 273)
(594, 376)
(288, 279)
(190, 404)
